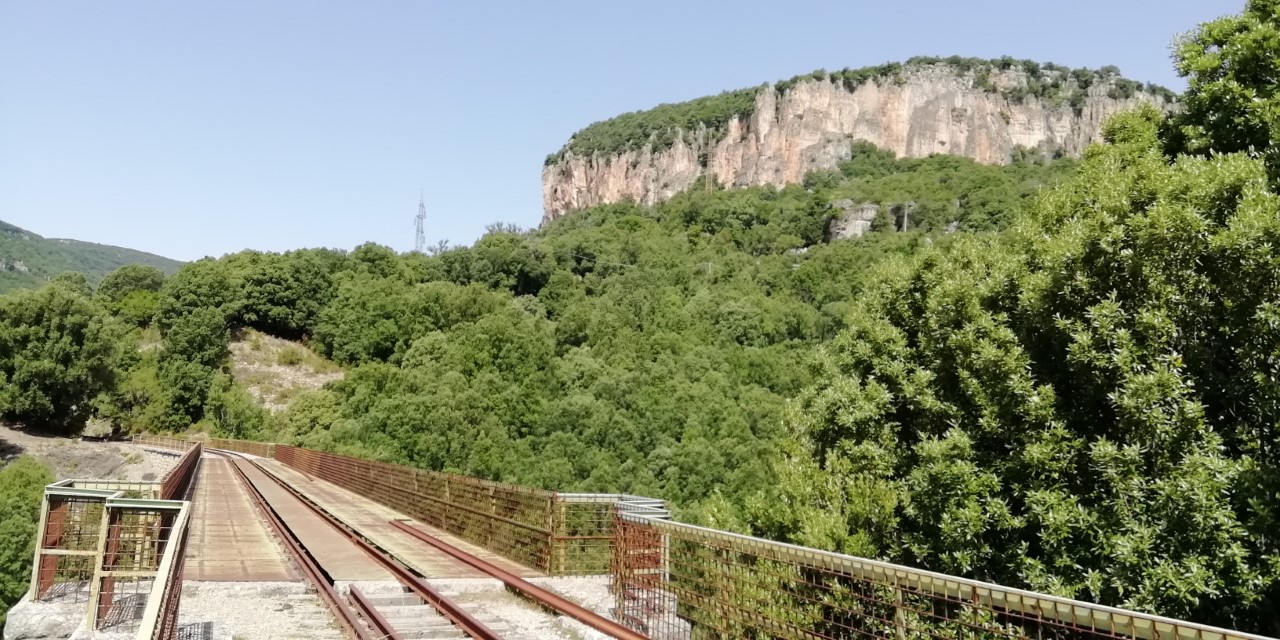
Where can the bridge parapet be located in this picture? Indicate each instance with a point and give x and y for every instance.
(680, 581)
(676, 580)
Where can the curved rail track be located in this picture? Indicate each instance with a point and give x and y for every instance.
(357, 613)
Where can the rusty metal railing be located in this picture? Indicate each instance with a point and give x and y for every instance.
(175, 483)
(583, 529)
(555, 533)
(677, 581)
(674, 580)
(510, 520)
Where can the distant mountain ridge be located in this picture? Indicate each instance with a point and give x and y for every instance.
(29, 260)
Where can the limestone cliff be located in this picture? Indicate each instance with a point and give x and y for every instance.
(800, 126)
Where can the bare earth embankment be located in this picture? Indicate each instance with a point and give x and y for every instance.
(73, 458)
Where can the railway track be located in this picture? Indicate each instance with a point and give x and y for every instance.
(420, 611)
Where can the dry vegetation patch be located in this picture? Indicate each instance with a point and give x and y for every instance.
(274, 370)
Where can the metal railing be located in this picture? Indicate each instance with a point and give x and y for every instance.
(112, 546)
(175, 483)
(162, 442)
(583, 529)
(160, 618)
(510, 520)
(678, 581)
(674, 580)
(555, 533)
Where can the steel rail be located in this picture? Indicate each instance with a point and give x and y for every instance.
(345, 617)
(528, 589)
(460, 617)
(372, 616)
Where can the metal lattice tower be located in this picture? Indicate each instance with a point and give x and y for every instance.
(419, 236)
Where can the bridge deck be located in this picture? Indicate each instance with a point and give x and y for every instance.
(371, 520)
(227, 539)
(339, 557)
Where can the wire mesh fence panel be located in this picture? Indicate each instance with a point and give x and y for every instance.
(677, 581)
(136, 540)
(68, 545)
(583, 537)
(584, 529)
(65, 578)
(162, 442)
(509, 520)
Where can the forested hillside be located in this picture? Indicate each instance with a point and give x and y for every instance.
(28, 260)
(648, 350)
(1061, 377)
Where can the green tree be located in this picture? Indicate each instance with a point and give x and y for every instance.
(1232, 102)
(200, 337)
(283, 294)
(233, 412)
(138, 308)
(58, 350)
(73, 281)
(1076, 406)
(22, 483)
(122, 282)
(203, 284)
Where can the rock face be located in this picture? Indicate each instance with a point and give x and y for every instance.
(926, 110)
(851, 221)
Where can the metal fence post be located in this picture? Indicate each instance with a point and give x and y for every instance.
(899, 613)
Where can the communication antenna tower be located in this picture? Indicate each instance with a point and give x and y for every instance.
(419, 237)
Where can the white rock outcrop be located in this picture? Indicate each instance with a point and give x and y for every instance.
(812, 125)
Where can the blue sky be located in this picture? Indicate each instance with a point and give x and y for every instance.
(202, 128)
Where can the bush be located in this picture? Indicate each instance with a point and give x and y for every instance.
(22, 484)
(290, 356)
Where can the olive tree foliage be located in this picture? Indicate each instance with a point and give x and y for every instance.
(58, 351)
(1086, 406)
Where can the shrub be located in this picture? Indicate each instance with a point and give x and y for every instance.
(290, 356)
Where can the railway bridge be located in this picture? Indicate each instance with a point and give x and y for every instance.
(246, 540)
